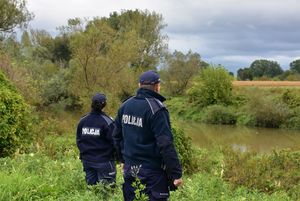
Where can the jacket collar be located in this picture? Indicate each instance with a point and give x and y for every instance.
(96, 112)
(147, 93)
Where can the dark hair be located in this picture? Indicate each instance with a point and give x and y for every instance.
(97, 106)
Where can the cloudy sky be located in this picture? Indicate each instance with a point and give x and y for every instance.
(233, 33)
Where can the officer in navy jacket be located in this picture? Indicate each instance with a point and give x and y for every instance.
(94, 141)
(144, 141)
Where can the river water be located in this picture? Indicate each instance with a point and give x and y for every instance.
(241, 138)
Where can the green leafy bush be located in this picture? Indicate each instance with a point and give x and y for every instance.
(219, 114)
(212, 86)
(15, 120)
(186, 152)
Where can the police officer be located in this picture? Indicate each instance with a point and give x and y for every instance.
(94, 141)
(144, 142)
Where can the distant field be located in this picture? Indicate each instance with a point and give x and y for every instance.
(267, 83)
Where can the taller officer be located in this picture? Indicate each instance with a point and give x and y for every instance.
(94, 141)
(144, 142)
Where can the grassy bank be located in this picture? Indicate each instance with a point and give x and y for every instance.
(54, 172)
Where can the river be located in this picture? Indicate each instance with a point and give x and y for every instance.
(241, 138)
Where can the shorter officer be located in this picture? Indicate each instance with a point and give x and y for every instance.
(94, 141)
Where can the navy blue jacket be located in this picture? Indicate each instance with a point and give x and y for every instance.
(94, 137)
(143, 136)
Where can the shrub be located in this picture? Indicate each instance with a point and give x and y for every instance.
(186, 153)
(212, 86)
(15, 121)
(56, 93)
(292, 123)
(291, 98)
(246, 120)
(219, 114)
(277, 171)
(267, 112)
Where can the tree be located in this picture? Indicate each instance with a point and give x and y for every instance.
(13, 13)
(266, 68)
(244, 74)
(148, 28)
(295, 66)
(101, 60)
(43, 45)
(213, 85)
(61, 50)
(179, 70)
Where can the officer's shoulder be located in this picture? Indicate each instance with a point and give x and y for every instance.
(155, 104)
(83, 117)
(107, 118)
(126, 100)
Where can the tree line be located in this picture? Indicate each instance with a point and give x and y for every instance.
(102, 54)
(265, 69)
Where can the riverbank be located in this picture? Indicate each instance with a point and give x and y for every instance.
(54, 172)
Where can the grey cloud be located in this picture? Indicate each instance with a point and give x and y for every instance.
(229, 32)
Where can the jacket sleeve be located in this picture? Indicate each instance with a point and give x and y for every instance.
(118, 138)
(78, 135)
(164, 140)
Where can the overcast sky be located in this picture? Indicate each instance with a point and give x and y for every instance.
(233, 33)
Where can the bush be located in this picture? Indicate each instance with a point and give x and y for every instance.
(56, 93)
(212, 86)
(15, 121)
(219, 114)
(267, 112)
(291, 98)
(277, 171)
(246, 120)
(292, 123)
(185, 151)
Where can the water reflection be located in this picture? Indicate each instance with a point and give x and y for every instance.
(242, 138)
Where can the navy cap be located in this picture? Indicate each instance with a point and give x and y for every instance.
(99, 97)
(149, 78)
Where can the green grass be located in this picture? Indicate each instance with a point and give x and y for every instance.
(58, 175)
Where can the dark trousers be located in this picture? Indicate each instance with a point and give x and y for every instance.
(104, 172)
(155, 181)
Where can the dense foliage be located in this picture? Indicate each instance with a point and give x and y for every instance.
(277, 171)
(266, 70)
(179, 70)
(295, 66)
(212, 86)
(13, 13)
(186, 153)
(250, 106)
(15, 121)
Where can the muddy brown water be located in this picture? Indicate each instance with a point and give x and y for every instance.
(241, 138)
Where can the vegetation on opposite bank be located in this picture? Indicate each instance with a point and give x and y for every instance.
(213, 99)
